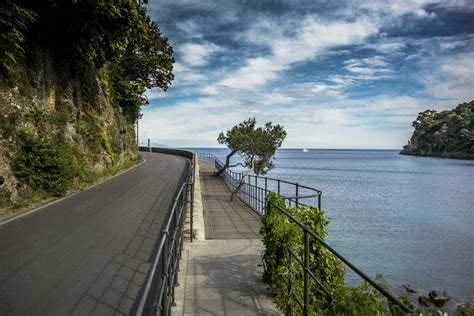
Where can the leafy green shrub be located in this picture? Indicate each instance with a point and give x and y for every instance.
(362, 300)
(45, 164)
(279, 234)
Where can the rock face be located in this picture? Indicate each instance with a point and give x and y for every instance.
(47, 104)
(438, 298)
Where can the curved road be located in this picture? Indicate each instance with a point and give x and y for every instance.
(89, 253)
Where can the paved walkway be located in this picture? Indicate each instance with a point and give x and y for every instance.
(223, 274)
(225, 219)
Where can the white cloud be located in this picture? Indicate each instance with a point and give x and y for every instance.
(185, 75)
(388, 48)
(311, 39)
(154, 93)
(195, 54)
(372, 66)
(276, 98)
(397, 7)
(451, 79)
(190, 28)
(323, 88)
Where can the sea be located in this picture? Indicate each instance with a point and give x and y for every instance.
(409, 218)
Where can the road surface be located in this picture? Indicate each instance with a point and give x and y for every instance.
(89, 253)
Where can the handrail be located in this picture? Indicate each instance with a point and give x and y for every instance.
(254, 196)
(158, 295)
(309, 232)
(254, 188)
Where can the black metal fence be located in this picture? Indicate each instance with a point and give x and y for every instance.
(254, 188)
(310, 237)
(159, 292)
(253, 192)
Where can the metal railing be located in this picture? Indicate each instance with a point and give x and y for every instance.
(309, 237)
(254, 188)
(253, 195)
(206, 157)
(159, 292)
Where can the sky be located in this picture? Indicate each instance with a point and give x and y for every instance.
(335, 74)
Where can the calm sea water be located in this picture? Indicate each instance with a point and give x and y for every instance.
(410, 218)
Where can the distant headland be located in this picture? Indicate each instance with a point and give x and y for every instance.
(448, 134)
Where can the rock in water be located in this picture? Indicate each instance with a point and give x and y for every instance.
(410, 288)
(424, 300)
(439, 298)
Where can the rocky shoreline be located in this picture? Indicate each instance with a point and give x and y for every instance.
(461, 156)
(427, 301)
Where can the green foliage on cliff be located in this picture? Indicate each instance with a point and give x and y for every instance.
(72, 78)
(45, 164)
(14, 20)
(444, 134)
(85, 36)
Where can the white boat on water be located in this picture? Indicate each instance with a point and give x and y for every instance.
(305, 150)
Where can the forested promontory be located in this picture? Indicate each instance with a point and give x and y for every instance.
(443, 134)
(72, 79)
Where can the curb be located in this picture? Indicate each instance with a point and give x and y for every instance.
(198, 216)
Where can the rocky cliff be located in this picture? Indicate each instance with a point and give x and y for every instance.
(72, 78)
(58, 132)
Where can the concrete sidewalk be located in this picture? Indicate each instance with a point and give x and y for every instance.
(225, 219)
(223, 276)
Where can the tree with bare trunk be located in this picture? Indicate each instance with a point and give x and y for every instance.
(255, 145)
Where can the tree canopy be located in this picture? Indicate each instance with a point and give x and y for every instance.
(13, 22)
(117, 35)
(256, 145)
(447, 133)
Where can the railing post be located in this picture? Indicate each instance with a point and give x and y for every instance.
(278, 186)
(319, 200)
(193, 179)
(256, 194)
(249, 193)
(290, 274)
(165, 300)
(297, 189)
(172, 267)
(306, 271)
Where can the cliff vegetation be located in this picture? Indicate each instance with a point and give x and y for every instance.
(72, 78)
(443, 134)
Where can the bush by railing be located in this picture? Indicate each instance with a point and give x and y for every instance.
(306, 275)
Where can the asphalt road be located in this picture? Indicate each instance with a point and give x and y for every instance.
(89, 253)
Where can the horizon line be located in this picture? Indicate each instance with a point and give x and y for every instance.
(292, 148)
